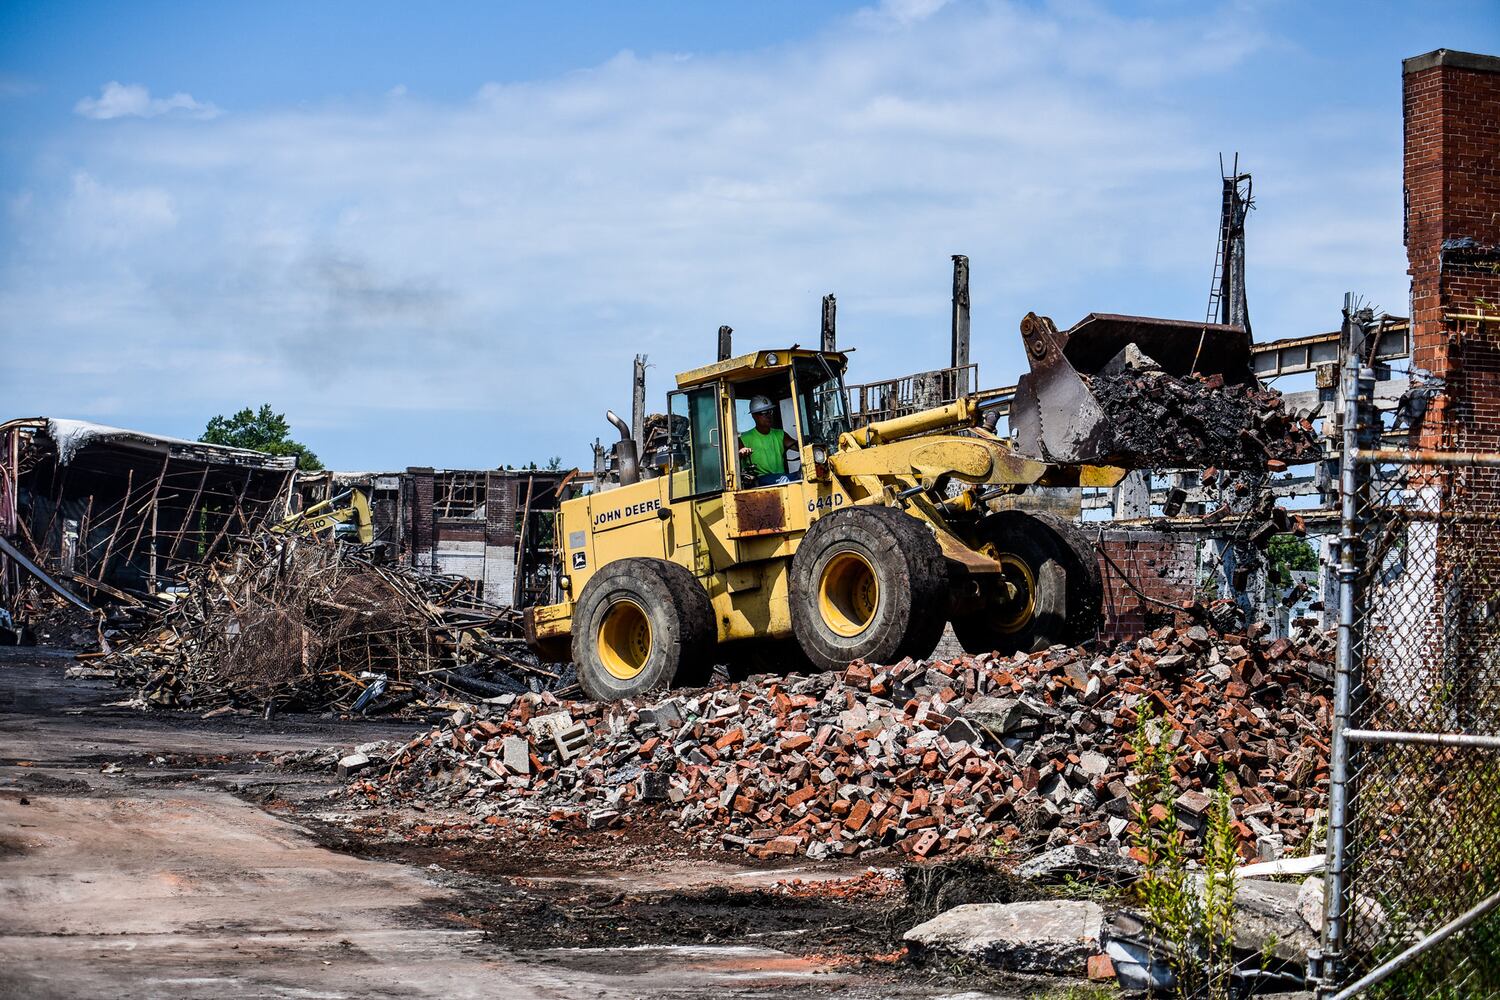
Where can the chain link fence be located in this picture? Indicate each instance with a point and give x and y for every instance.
(1413, 879)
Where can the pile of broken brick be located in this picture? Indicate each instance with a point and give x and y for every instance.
(925, 758)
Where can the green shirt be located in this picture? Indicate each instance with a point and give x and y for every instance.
(767, 451)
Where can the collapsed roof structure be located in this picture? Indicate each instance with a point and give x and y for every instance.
(123, 513)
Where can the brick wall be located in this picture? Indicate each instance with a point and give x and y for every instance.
(1451, 117)
(500, 509)
(1159, 565)
(419, 528)
(452, 529)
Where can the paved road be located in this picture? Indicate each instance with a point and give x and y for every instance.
(129, 868)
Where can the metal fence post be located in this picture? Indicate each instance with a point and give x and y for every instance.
(1335, 928)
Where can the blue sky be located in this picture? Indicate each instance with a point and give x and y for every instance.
(436, 235)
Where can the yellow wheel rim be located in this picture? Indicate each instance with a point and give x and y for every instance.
(1014, 612)
(848, 594)
(625, 639)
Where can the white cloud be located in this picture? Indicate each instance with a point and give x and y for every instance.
(117, 100)
(474, 263)
(901, 12)
(99, 215)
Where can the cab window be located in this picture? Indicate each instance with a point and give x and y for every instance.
(696, 443)
(824, 405)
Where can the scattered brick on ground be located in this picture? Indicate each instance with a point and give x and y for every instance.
(921, 758)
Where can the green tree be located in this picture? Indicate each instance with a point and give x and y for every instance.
(259, 431)
(1287, 553)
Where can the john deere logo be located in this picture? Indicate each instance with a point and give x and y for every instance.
(622, 513)
(580, 560)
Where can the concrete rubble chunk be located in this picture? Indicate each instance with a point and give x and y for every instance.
(1042, 936)
(1130, 359)
(353, 764)
(1370, 921)
(516, 752)
(663, 715)
(1073, 858)
(961, 731)
(1268, 915)
(1310, 904)
(1270, 846)
(543, 727)
(571, 742)
(1095, 765)
(1001, 716)
(652, 786)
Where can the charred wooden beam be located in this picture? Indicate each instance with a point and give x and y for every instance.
(830, 323)
(960, 323)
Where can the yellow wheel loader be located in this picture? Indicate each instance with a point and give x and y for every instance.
(860, 543)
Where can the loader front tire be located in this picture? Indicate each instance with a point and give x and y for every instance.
(1085, 589)
(1047, 592)
(641, 625)
(868, 583)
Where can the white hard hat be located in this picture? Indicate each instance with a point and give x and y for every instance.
(761, 404)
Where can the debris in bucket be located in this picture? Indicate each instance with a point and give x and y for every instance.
(925, 758)
(300, 624)
(1198, 420)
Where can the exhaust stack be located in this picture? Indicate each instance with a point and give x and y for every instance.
(627, 455)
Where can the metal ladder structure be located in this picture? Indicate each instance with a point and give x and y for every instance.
(1226, 294)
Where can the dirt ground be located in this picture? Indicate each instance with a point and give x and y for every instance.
(162, 855)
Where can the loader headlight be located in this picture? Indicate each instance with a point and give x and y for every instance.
(820, 461)
(567, 584)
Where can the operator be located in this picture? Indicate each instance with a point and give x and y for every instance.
(764, 447)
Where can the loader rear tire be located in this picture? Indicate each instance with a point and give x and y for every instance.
(641, 625)
(1056, 581)
(868, 584)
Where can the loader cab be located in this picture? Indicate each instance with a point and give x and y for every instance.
(774, 465)
(709, 417)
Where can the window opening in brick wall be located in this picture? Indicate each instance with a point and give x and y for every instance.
(459, 495)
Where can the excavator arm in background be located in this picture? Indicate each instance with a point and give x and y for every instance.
(345, 516)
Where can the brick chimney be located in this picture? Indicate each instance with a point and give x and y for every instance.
(1451, 107)
(1427, 638)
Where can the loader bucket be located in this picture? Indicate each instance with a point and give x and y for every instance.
(1055, 415)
